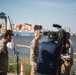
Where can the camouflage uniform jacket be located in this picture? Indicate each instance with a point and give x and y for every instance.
(34, 51)
(3, 57)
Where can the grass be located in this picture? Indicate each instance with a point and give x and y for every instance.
(12, 68)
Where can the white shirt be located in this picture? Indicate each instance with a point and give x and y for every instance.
(71, 49)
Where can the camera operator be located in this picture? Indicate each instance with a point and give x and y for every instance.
(49, 55)
(68, 57)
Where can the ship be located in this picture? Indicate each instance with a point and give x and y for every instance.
(28, 29)
(22, 33)
(24, 29)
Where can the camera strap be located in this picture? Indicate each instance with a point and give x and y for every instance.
(59, 61)
(61, 50)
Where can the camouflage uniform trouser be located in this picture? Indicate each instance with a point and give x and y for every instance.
(68, 63)
(33, 71)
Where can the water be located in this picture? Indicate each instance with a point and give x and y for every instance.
(24, 52)
(26, 40)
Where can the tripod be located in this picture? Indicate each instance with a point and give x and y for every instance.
(17, 57)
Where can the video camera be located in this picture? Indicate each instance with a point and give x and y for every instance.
(61, 34)
(61, 37)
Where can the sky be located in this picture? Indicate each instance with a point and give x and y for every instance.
(41, 12)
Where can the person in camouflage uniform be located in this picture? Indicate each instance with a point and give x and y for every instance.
(34, 51)
(6, 37)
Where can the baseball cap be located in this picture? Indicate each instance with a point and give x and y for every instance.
(38, 32)
(9, 32)
(52, 35)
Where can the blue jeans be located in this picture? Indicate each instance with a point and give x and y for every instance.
(3, 73)
(44, 74)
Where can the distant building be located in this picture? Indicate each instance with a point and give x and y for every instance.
(68, 29)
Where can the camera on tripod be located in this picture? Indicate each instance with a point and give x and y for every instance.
(62, 36)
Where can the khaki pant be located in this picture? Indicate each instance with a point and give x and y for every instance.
(68, 62)
(33, 71)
